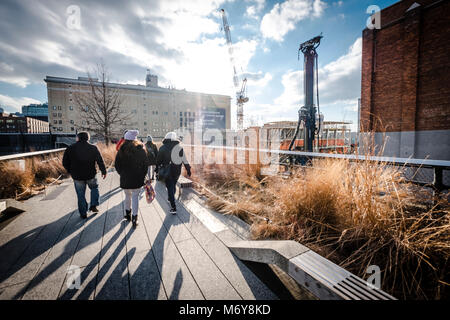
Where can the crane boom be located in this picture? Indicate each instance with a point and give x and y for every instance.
(241, 97)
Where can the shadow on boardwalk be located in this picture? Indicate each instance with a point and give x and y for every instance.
(117, 261)
(110, 269)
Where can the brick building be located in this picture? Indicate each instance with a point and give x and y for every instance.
(405, 89)
(13, 124)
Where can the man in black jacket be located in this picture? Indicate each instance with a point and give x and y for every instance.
(79, 160)
(173, 160)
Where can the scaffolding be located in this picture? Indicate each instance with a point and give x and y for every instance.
(334, 136)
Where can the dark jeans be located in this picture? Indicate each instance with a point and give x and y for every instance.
(171, 184)
(80, 188)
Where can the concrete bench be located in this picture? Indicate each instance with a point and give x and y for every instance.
(184, 182)
(8, 206)
(9, 209)
(321, 277)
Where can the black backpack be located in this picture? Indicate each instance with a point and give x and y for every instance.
(151, 153)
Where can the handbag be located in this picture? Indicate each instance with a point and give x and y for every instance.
(149, 191)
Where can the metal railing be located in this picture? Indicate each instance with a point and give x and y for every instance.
(19, 156)
(437, 166)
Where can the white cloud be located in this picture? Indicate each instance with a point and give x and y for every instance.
(7, 75)
(129, 38)
(283, 17)
(253, 10)
(258, 79)
(318, 8)
(15, 104)
(207, 65)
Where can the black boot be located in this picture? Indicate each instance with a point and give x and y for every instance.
(134, 220)
(127, 215)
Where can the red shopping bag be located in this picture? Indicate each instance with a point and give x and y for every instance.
(149, 191)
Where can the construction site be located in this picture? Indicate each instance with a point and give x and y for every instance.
(305, 208)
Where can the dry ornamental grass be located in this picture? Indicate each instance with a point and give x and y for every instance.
(39, 172)
(356, 214)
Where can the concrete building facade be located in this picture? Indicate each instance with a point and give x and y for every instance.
(405, 90)
(153, 110)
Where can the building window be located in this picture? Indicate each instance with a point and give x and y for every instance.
(70, 107)
(60, 129)
(145, 123)
(55, 114)
(55, 121)
(60, 121)
(54, 107)
(59, 115)
(59, 107)
(72, 129)
(71, 121)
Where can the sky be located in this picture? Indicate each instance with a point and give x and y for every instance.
(183, 42)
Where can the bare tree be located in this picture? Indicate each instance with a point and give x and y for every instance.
(100, 106)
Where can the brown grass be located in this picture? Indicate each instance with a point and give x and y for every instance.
(356, 214)
(39, 172)
(108, 153)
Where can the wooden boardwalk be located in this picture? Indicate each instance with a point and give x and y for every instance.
(165, 257)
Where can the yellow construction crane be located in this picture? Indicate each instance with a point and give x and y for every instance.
(241, 92)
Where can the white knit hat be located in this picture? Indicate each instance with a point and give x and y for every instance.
(131, 134)
(171, 136)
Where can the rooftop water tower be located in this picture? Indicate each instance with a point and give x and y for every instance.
(151, 80)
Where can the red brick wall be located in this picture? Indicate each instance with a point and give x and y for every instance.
(406, 70)
(433, 103)
(397, 10)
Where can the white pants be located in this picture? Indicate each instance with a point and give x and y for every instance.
(151, 171)
(132, 198)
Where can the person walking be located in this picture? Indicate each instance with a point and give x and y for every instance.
(152, 151)
(79, 161)
(173, 161)
(131, 164)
